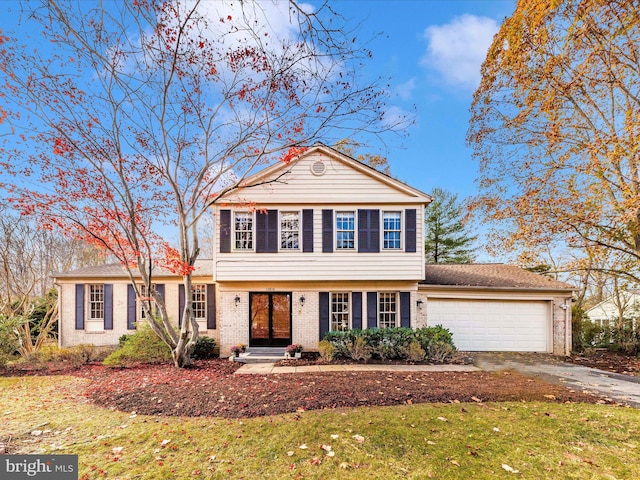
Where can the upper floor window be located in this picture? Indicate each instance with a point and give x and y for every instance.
(392, 224)
(199, 301)
(339, 312)
(243, 228)
(289, 230)
(345, 230)
(96, 302)
(387, 310)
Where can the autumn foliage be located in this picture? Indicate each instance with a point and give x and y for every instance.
(556, 127)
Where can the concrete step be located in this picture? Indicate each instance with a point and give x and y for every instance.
(261, 355)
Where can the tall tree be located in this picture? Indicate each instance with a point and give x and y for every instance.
(556, 127)
(142, 114)
(446, 237)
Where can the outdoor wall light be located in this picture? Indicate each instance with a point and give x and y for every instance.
(420, 303)
(237, 299)
(302, 299)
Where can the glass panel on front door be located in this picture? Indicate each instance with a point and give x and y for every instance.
(270, 321)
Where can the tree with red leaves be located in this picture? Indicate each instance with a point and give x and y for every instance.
(139, 115)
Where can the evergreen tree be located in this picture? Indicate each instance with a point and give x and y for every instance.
(446, 237)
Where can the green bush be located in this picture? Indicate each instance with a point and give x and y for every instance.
(431, 343)
(203, 349)
(143, 346)
(124, 338)
(8, 339)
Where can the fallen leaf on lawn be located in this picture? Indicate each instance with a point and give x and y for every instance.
(344, 465)
(509, 469)
(359, 438)
(335, 436)
(550, 397)
(326, 448)
(476, 399)
(303, 447)
(331, 454)
(316, 461)
(290, 453)
(36, 433)
(496, 429)
(300, 410)
(455, 463)
(429, 442)
(164, 442)
(116, 450)
(443, 419)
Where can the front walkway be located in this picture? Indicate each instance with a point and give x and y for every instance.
(269, 368)
(613, 386)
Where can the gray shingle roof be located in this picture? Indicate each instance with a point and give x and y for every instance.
(204, 267)
(489, 275)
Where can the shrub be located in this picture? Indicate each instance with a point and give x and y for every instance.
(124, 338)
(440, 352)
(414, 352)
(359, 350)
(327, 350)
(143, 346)
(8, 340)
(203, 349)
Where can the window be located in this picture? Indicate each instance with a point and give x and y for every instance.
(345, 230)
(387, 310)
(339, 312)
(145, 298)
(289, 230)
(96, 302)
(392, 228)
(243, 228)
(199, 302)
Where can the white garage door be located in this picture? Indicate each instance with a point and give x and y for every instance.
(492, 325)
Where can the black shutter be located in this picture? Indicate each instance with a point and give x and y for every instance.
(410, 231)
(324, 313)
(307, 230)
(372, 309)
(327, 231)
(180, 304)
(211, 306)
(79, 306)
(356, 309)
(368, 231)
(405, 309)
(225, 231)
(131, 307)
(267, 232)
(108, 307)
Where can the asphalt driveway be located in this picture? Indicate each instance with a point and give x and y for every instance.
(620, 388)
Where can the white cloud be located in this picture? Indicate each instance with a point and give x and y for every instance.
(396, 118)
(405, 90)
(457, 49)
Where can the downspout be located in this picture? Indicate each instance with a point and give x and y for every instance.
(59, 300)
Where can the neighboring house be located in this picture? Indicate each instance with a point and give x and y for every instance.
(608, 312)
(328, 243)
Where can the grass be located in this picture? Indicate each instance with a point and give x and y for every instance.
(453, 441)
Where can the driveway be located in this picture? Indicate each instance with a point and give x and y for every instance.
(620, 388)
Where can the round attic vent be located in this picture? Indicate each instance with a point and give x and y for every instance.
(318, 168)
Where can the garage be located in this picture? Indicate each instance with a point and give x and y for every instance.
(497, 307)
(493, 325)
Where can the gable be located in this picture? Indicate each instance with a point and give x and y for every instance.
(322, 175)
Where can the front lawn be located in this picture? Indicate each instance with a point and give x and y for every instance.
(456, 440)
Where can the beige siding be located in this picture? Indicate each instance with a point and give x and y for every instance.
(341, 183)
(337, 265)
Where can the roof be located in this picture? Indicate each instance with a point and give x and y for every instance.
(204, 268)
(489, 275)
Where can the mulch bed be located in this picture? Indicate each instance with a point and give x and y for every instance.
(609, 361)
(209, 388)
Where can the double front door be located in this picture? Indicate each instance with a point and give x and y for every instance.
(270, 319)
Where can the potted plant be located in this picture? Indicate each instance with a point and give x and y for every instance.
(294, 350)
(236, 349)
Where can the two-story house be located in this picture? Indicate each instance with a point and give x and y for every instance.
(327, 243)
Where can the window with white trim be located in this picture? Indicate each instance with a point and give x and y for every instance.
(339, 312)
(144, 298)
(387, 309)
(392, 229)
(243, 230)
(199, 301)
(289, 230)
(96, 302)
(345, 230)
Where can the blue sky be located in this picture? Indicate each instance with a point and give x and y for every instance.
(432, 50)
